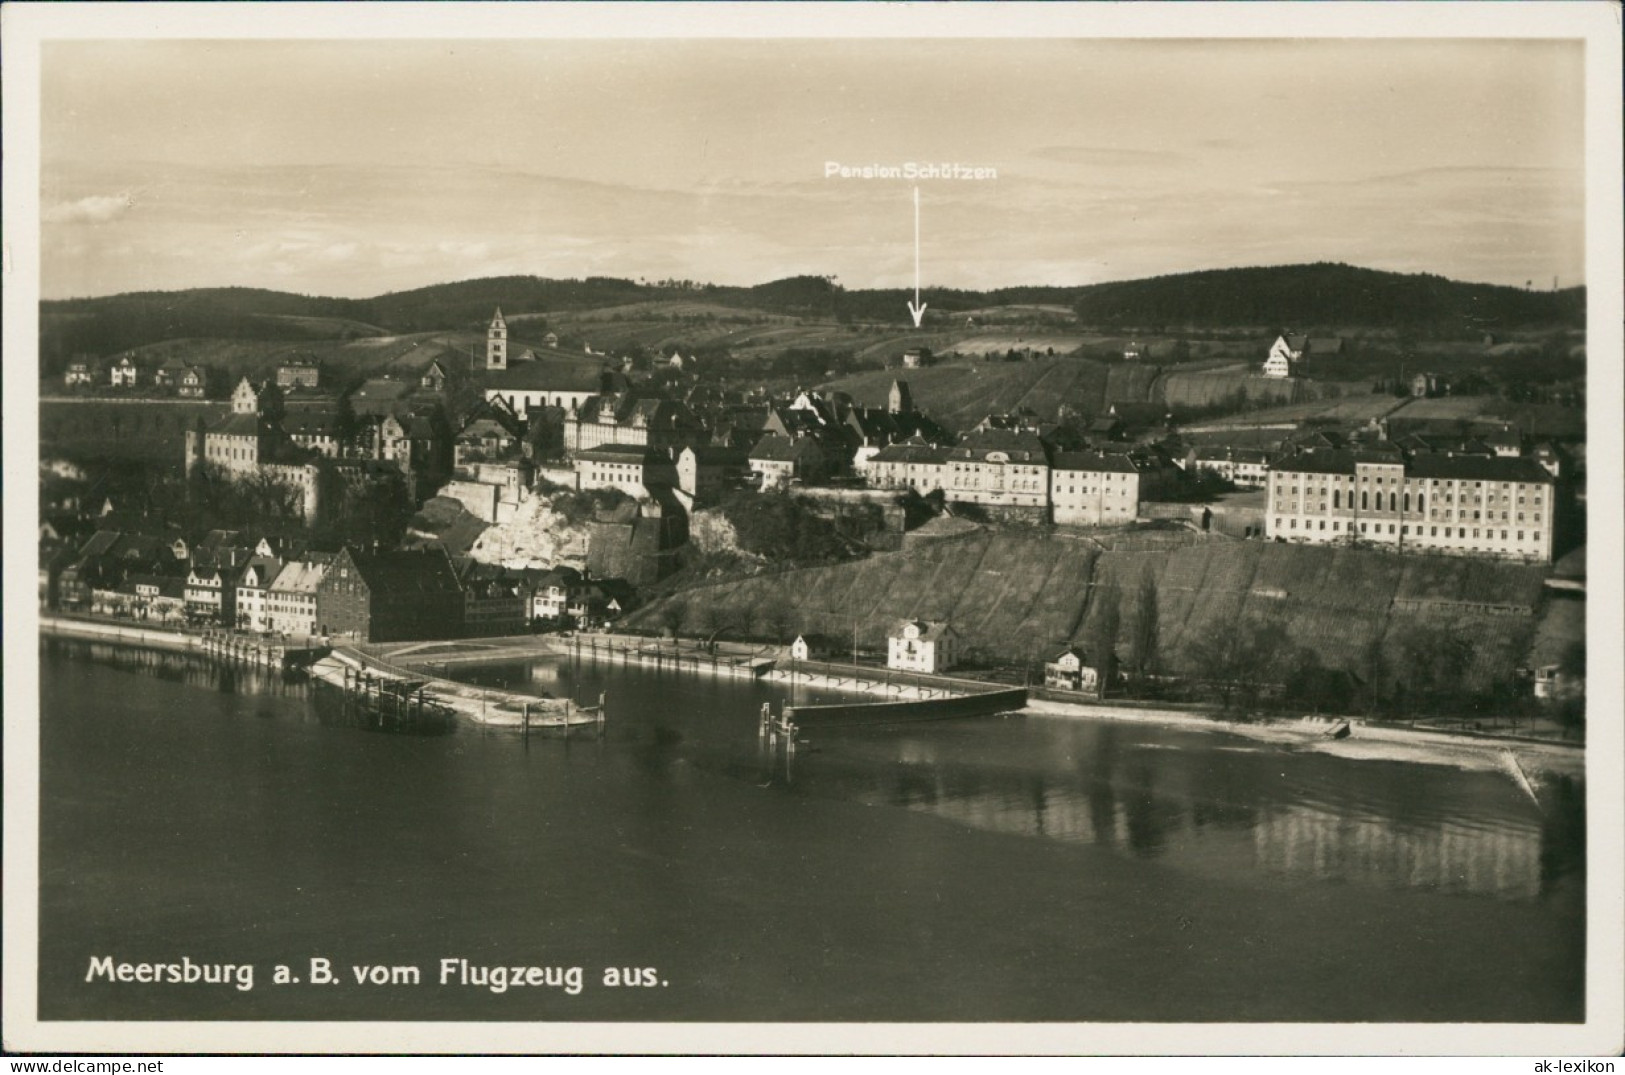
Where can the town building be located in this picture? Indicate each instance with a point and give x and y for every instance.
(290, 602)
(299, 372)
(1105, 488)
(125, 373)
(1245, 467)
(317, 428)
(390, 596)
(1283, 358)
(916, 357)
(433, 378)
(922, 646)
(553, 593)
(623, 418)
(253, 585)
(211, 585)
(494, 601)
(193, 382)
(156, 599)
(706, 472)
(78, 373)
(999, 468)
(784, 460)
(564, 383)
(911, 464)
(632, 468)
(1473, 505)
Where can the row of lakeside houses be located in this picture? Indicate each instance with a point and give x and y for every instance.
(279, 586)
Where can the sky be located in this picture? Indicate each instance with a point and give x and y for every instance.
(354, 168)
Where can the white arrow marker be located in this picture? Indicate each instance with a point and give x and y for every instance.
(917, 308)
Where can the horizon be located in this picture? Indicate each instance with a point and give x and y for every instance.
(701, 285)
(173, 165)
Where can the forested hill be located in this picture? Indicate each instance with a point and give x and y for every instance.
(1325, 294)
(1321, 294)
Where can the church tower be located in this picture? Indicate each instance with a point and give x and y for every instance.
(496, 343)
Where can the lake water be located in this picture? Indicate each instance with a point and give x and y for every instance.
(1012, 869)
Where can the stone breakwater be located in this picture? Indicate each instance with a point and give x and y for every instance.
(484, 705)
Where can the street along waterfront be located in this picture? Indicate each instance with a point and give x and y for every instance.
(1000, 869)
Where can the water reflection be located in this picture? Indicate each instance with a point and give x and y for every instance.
(1220, 808)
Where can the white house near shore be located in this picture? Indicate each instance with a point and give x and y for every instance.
(922, 646)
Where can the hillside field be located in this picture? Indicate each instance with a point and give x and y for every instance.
(1016, 597)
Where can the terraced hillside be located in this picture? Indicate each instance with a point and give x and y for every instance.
(1016, 597)
(960, 394)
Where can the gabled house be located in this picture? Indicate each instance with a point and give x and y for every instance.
(781, 460)
(252, 607)
(290, 602)
(1071, 670)
(125, 373)
(434, 378)
(192, 382)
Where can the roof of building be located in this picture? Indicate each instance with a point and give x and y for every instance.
(911, 451)
(427, 571)
(1020, 445)
(381, 389)
(299, 577)
(238, 425)
(930, 630)
(640, 454)
(1477, 468)
(1109, 462)
(778, 448)
(266, 567)
(310, 422)
(557, 375)
(718, 455)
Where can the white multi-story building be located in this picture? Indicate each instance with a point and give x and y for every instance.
(290, 603)
(922, 646)
(1103, 488)
(1470, 504)
(252, 585)
(631, 468)
(1247, 467)
(1000, 468)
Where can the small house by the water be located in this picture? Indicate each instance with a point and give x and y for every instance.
(1071, 670)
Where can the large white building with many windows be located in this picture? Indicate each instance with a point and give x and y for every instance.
(1475, 505)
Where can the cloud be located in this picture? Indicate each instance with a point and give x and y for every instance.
(95, 209)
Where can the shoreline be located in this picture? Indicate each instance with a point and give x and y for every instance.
(1527, 759)
(1524, 759)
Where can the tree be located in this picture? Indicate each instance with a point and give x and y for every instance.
(1144, 634)
(1103, 634)
(673, 615)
